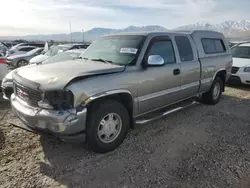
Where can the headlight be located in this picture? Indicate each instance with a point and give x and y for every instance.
(57, 100)
(8, 77)
(246, 69)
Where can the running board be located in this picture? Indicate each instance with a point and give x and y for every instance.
(158, 115)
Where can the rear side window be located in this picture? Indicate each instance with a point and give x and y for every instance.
(163, 48)
(212, 46)
(184, 48)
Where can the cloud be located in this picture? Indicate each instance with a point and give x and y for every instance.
(53, 16)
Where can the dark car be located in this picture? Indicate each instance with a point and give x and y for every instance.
(23, 59)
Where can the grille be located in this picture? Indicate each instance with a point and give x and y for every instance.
(235, 70)
(29, 95)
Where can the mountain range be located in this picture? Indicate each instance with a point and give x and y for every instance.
(229, 28)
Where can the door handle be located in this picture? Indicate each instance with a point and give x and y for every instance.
(176, 71)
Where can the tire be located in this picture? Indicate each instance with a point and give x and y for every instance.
(210, 97)
(99, 128)
(21, 63)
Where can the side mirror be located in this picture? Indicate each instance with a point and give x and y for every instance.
(155, 60)
(43, 52)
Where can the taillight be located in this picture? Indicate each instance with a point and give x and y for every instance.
(2, 60)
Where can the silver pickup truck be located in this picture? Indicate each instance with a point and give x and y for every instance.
(121, 80)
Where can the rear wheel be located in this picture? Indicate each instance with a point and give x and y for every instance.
(22, 63)
(107, 126)
(214, 94)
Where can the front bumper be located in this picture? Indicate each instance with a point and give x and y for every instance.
(67, 125)
(242, 77)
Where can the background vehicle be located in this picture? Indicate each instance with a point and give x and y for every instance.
(23, 59)
(3, 68)
(241, 64)
(20, 50)
(55, 50)
(7, 83)
(121, 79)
(3, 49)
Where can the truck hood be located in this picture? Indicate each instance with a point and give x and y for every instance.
(241, 62)
(38, 59)
(55, 76)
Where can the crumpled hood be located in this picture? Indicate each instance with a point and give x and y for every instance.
(38, 59)
(240, 62)
(57, 75)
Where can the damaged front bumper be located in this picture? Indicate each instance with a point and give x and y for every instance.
(67, 125)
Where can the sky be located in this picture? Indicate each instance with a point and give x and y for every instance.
(32, 17)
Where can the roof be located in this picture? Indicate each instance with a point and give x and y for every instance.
(245, 44)
(146, 33)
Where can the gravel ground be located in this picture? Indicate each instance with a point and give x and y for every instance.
(202, 146)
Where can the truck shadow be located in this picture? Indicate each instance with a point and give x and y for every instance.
(239, 86)
(63, 160)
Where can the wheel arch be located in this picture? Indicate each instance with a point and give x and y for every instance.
(123, 96)
(221, 73)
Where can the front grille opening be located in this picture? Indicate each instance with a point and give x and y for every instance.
(27, 94)
(235, 70)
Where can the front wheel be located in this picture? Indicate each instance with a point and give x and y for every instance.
(214, 94)
(107, 126)
(22, 63)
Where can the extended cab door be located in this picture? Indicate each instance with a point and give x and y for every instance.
(190, 65)
(159, 86)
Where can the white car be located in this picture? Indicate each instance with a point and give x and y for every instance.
(3, 68)
(241, 63)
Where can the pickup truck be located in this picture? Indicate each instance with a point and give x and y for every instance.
(121, 80)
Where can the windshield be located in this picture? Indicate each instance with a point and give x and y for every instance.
(62, 57)
(241, 52)
(33, 51)
(122, 49)
(56, 49)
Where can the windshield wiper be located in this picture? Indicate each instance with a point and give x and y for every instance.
(102, 60)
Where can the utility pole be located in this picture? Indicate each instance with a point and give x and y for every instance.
(70, 32)
(82, 35)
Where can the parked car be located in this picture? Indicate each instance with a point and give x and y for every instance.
(23, 59)
(20, 50)
(241, 64)
(121, 79)
(3, 68)
(55, 50)
(7, 83)
(40, 45)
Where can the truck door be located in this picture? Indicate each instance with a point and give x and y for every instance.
(159, 86)
(190, 66)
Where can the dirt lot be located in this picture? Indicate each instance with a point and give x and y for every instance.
(203, 146)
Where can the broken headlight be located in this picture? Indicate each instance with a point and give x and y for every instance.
(57, 100)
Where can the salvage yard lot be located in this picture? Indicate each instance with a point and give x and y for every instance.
(202, 146)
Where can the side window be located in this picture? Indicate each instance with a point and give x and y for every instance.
(164, 49)
(208, 45)
(212, 46)
(219, 46)
(26, 49)
(184, 48)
